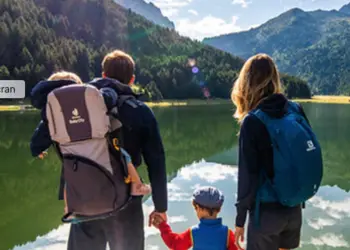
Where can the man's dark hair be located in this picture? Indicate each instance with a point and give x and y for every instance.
(118, 65)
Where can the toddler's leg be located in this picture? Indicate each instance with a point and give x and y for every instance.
(137, 187)
(65, 200)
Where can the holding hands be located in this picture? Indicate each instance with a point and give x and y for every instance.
(239, 237)
(156, 218)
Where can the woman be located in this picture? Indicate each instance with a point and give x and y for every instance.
(278, 227)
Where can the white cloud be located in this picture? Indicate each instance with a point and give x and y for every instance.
(335, 209)
(254, 26)
(207, 27)
(170, 12)
(193, 12)
(243, 3)
(320, 223)
(177, 219)
(170, 3)
(330, 240)
(170, 8)
(205, 172)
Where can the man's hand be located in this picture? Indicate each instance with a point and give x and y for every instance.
(239, 237)
(157, 220)
(152, 216)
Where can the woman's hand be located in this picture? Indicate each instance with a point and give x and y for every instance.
(239, 237)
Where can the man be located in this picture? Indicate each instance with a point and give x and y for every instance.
(141, 138)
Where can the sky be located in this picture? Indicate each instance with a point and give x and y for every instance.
(206, 18)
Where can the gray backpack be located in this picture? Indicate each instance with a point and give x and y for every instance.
(94, 169)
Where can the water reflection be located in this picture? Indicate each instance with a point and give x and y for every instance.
(325, 226)
(28, 187)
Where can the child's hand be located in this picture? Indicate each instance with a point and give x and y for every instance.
(42, 155)
(157, 220)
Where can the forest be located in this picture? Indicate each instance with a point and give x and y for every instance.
(39, 37)
(312, 45)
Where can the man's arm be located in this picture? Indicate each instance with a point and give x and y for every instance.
(41, 139)
(175, 241)
(154, 156)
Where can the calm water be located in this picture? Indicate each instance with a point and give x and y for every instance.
(200, 144)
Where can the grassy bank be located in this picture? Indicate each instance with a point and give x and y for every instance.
(326, 99)
(165, 103)
(190, 102)
(194, 102)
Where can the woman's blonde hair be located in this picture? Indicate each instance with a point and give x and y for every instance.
(258, 79)
(64, 75)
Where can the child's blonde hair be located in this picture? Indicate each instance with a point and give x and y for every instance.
(258, 79)
(64, 75)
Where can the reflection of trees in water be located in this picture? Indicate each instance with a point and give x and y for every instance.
(29, 186)
(331, 124)
(192, 133)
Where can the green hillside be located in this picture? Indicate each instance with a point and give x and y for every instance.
(38, 37)
(312, 45)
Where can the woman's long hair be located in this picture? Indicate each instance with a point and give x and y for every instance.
(258, 79)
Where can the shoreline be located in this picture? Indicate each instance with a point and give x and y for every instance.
(197, 102)
(325, 99)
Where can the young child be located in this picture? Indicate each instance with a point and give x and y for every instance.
(210, 233)
(42, 134)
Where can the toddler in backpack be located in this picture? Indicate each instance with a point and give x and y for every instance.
(41, 139)
(207, 202)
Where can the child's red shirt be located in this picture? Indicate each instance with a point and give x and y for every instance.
(184, 240)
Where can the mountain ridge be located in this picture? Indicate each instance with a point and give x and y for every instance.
(303, 43)
(39, 37)
(147, 10)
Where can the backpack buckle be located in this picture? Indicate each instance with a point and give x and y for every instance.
(115, 144)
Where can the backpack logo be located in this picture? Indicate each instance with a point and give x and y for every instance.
(76, 118)
(75, 112)
(310, 146)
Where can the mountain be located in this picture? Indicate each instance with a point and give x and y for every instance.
(148, 10)
(312, 45)
(345, 9)
(38, 37)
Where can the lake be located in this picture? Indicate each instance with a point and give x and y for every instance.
(200, 144)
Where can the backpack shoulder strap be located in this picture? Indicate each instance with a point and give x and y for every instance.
(128, 99)
(262, 116)
(294, 107)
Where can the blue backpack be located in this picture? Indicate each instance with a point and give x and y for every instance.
(297, 160)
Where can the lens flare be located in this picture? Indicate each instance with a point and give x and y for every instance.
(191, 62)
(195, 70)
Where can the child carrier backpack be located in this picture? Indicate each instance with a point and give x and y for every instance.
(94, 169)
(297, 160)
